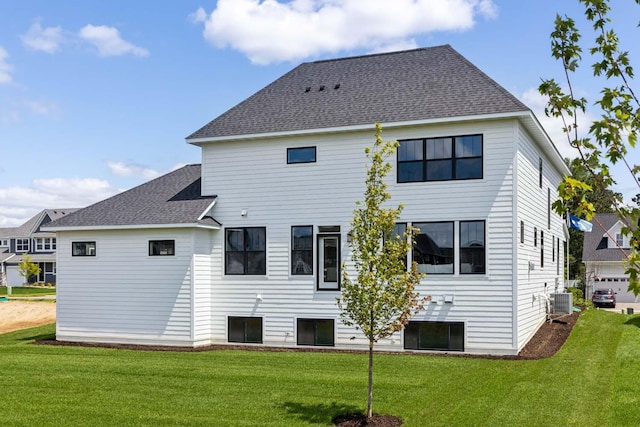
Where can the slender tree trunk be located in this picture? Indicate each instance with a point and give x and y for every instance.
(370, 397)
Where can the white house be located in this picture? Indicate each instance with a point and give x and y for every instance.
(248, 247)
(604, 252)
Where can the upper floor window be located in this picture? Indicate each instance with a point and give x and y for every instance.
(540, 172)
(246, 251)
(535, 236)
(22, 245)
(83, 249)
(162, 247)
(541, 248)
(521, 231)
(302, 250)
(472, 247)
(4, 242)
(301, 155)
(433, 247)
(45, 244)
(440, 159)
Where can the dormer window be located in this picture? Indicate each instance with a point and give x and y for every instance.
(620, 240)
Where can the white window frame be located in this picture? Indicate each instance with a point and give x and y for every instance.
(4, 243)
(20, 245)
(45, 244)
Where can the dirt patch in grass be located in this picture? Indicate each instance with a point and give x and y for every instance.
(16, 315)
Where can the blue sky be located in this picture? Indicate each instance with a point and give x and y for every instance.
(97, 96)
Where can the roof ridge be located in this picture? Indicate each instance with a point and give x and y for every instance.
(371, 55)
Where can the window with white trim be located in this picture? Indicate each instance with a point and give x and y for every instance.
(45, 244)
(22, 245)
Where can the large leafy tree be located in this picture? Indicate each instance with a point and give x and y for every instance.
(380, 299)
(613, 135)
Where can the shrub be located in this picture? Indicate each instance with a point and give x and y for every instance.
(578, 298)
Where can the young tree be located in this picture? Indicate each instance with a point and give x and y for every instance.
(380, 300)
(27, 268)
(613, 135)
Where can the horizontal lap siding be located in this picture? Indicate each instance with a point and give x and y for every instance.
(122, 291)
(532, 208)
(253, 175)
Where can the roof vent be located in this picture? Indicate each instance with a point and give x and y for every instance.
(321, 88)
(307, 89)
(337, 86)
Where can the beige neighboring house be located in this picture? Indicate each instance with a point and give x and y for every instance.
(30, 239)
(603, 254)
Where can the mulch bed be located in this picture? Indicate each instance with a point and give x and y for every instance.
(545, 343)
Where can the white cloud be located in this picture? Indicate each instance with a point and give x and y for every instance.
(108, 41)
(270, 31)
(41, 108)
(124, 169)
(18, 204)
(5, 67)
(537, 102)
(43, 39)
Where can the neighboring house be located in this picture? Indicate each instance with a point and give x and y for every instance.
(30, 239)
(603, 253)
(249, 247)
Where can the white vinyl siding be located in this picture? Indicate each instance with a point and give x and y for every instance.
(123, 295)
(532, 208)
(324, 193)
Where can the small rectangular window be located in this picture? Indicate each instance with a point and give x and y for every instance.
(246, 251)
(540, 172)
(620, 240)
(245, 329)
(83, 248)
(434, 336)
(319, 332)
(541, 249)
(472, 247)
(301, 155)
(548, 208)
(535, 236)
(433, 247)
(521, 231)
(553, 249)
(162, 247)
(302, 250)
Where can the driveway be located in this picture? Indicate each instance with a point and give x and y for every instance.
(623, 306)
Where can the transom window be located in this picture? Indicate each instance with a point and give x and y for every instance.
(83, 248)
(472, 247)
(302, 250)
(433, 247)
(246, 251)
(434, 336)
(22, 245)
(162, 247)
(440, 159)
(301, 155)
(245, 329)
(316, 332)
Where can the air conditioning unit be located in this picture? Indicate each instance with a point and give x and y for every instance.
(562, 303)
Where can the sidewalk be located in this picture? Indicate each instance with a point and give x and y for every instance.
(40, 298)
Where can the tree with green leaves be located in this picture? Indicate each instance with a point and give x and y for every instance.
(380, 300)
(601, 197)
(611, 137)
(27, 268)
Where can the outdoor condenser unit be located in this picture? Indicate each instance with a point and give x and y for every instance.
(562, 302)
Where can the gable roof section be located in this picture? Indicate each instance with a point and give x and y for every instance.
(32, 225)
(592, 249)
(420, 84)
(173, 199)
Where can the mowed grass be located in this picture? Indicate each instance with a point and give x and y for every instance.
(592, 381)
(27, 291)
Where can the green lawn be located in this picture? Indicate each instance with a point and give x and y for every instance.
(27, 291)
(592, 381)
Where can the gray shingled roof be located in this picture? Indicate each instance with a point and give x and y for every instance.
(174, 198)
(420, 84)
(592, 249)
(33, 224)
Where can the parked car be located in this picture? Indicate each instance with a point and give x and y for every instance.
(604, 297)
